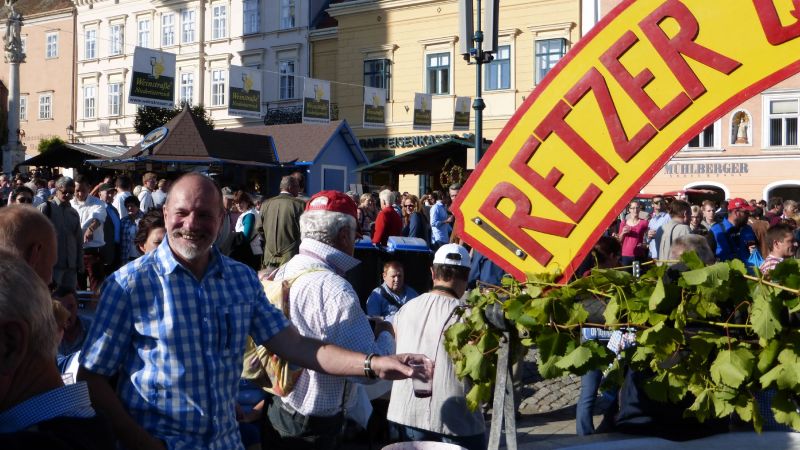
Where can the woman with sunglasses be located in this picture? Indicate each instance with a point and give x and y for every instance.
(414, 223)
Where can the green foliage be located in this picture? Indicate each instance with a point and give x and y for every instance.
(47, 144)
(714, 335)
(148, 118)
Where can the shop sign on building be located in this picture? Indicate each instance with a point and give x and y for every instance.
(374, 107)
(153, 79)
(245, 92)
(422, 111)
(461, 114)
(316, 101)
(650, 76)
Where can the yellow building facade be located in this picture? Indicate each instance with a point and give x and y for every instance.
(410, 46)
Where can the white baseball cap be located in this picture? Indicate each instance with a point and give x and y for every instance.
(452, 255)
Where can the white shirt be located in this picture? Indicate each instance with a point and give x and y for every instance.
(419, 325)
(146, 200)
(323, 305)
(88, 210)
(119, 203)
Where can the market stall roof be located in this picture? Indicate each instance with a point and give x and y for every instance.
(185, 140)
(74, 155)
(303, 143)
(428, 159)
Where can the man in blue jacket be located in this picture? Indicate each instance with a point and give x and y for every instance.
(734, 236)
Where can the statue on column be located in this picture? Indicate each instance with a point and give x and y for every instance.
(12, 39)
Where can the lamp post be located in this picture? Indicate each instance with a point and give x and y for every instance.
(70, 134)
(14, 56)
(478, 55)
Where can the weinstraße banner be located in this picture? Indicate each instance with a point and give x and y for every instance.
(153, 79)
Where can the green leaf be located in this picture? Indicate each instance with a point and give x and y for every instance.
(534, 291)
(738, 266)
(577, 314)
(765, 313)
(767, 356)
(664, 340)
(576, 359)
(787, 273)
(732, 367)
(488, 342)
(611, 312)
(691, 260)
(475, 365)
(710, 275)
(478, 394)
(665, 387)
(785, 410)
(703, 406)
(552, 346)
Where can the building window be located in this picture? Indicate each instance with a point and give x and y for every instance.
(51, 51)
(548, 53)
(187, 88)
(219, 22)
(217, 87)
(90, 44)
(114, 99)
(287, 14)
(377, 74)
(704, 139)
(167, 30)
(438, 68)
(117, 40)
(782, 118)
(187, 26)
(89, 97)
(23, 108)
(46, 106)
(252, 16)
(144, 33)
(287, 79)
(498, 72)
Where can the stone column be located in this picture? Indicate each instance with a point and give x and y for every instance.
(12, 152)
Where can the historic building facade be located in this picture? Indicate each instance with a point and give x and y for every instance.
(409, 46)
(207, 37)
(47, 75)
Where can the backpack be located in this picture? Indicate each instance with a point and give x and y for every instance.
(261, 366)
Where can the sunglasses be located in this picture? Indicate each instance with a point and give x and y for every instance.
(24, 200)
(408, 206)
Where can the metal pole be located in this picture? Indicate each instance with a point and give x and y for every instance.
(478, 105)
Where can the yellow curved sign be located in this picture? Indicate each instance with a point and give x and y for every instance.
(650, 76)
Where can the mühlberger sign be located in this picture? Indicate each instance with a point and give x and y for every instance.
(706, 168)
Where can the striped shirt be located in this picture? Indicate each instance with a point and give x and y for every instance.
(323, 305)
(177, 343)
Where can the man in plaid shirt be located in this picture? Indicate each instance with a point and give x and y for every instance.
(172, 325)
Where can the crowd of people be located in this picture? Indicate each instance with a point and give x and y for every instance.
(178, 318)
(734, 229)
(144, 297)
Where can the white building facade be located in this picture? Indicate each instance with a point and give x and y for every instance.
(207, 37)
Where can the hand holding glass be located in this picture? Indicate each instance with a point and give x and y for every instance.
(422, 379)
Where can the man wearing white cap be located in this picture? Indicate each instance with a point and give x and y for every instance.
(419, 324)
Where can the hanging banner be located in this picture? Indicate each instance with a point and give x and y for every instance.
(461, 113)
(647, 79)
(244, 92)
(316, 101)
(153, 78)
(422, 111)
(374, 107)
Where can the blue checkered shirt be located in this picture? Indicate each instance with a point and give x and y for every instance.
(71, 400)
(177, 344)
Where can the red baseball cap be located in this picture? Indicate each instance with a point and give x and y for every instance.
(332, 201)
(739, 203)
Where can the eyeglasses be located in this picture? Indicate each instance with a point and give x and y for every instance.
(66, 193)
(24, 200)
(409, 206)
